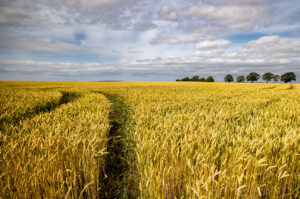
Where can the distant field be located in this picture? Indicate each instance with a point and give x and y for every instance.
(149, 140)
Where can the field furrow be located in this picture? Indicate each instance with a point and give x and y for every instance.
(119, 182)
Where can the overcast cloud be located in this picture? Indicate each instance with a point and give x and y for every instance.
(139, 40)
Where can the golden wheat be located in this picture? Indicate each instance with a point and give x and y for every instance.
(179, 140)
(215, 140)
(60, 153)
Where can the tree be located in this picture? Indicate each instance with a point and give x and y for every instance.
(240, 79)
(202, 79)
(288, 77)
(185, 79)
(268, 77)
(276, 78)
(210, 79)
(253, 77)
(195, 78)
(177, 80)
(228, 78)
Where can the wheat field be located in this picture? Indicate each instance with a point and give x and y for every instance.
(149, 140)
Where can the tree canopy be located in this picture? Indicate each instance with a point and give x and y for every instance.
(195, 78)
(228, 78)
(276, 78)
(240, 79)
(268, 76)
(185, 79)
(253, 77)
(210, 79)
(288, 77)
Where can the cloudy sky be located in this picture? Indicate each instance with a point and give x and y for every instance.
(147, 40)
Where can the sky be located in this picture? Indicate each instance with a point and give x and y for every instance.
(144, 40)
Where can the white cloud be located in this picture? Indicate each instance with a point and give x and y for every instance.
(167, 12)
(236, 17)
(274, 46)
(38, 44)
(84, 5)
(186, 36)
(213, 44)
(217, 62)
(246, 1)
(113, 13)
(180, 38)
(263, 41)
(16, 16)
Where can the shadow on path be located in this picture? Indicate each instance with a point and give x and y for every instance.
(117, 183)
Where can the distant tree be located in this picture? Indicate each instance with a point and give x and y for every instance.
(210, 79)
(202, 79)
(240, 79)
(185, 79)
(276, 78)
(253, 77)
(177, 80)
(195, 78)
(288, 77)
(228, 78)
(268, 77)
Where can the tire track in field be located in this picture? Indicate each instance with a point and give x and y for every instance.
(271, 87)
(117, 168)
(255, 110)
(291, 87)
(49, 106)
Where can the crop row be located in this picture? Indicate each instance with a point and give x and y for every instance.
(214, 141)
(56, 153)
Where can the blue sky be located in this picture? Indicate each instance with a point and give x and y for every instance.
(139, 40)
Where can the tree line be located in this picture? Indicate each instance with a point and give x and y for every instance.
(251, 77)
(197, 79)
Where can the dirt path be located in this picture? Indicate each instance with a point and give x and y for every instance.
(117, 168)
